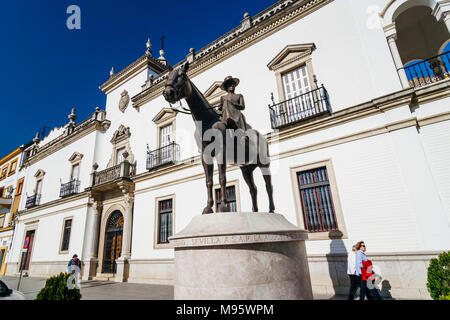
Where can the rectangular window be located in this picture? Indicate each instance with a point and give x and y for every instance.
(38, 187)
(165, 137)
(66, 235)
(2, 189)
(119, 155)
(296, 82)
(296, 85)
(165, 213)
(2, 220)
(4, 172)
(19, 187)
(75, 172)
(317, 203)
(231, 198)
(12, 167)
(8, 193)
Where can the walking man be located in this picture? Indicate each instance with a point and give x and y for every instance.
(351, 271)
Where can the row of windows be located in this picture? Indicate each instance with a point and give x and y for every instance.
(319, 214)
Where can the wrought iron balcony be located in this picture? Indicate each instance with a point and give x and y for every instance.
(164, 155)
(123, 170)
(429, 71)
(70, 188)
(33, 201)
(304, 106)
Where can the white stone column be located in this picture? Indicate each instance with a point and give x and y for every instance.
(446, 19)
(127, 226)
(397, 60)
(90, 249)
(94, 230)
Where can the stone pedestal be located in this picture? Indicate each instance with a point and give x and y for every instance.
(122, 270)
(248, 256)
(89, 269)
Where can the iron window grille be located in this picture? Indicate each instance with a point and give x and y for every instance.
(316, 200)
(231, 198)
(165, 212)
(66, 235)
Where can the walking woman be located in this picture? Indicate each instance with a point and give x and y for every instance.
(360, 257)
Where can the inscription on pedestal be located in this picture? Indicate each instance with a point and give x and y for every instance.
(237, 239)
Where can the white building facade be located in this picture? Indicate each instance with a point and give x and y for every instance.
(354, 100)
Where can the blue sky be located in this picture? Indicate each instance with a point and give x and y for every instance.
(48, 69)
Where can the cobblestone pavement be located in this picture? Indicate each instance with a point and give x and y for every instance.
(108, 290)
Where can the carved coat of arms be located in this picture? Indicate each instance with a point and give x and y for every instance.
(124, 100)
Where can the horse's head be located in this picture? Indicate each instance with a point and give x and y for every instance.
(177, 85)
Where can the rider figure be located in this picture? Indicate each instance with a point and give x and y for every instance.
(231, 105)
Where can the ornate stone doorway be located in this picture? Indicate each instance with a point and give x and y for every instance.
(113, 242)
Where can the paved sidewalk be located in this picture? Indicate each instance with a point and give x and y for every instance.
(96, 290)
(108, 290)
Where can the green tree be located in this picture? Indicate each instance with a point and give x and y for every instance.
(439, 277)
(56, 289)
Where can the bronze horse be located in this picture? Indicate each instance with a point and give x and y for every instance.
(179, 86)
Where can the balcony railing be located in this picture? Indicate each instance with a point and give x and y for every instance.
(429, 71)
(304, 106)
(123, 170)
(164, 155)
(70, 188)
(32, 201)
(107, 175)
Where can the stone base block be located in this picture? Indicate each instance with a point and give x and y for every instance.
(251, 256)
(123, 270)
(89, 269)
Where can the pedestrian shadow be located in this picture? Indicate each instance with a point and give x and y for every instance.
(385, 290)
(337, 264)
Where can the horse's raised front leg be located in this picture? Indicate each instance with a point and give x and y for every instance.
(247, 173)
(208, 168)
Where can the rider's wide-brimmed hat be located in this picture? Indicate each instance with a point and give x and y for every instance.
(227, 81)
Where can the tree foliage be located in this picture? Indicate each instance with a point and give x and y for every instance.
(439, 277)
(56, 289)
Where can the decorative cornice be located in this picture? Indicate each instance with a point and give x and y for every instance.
(146, 61)
(75, 157)
(39, 174)
(79, 131)
(122, 133)
(264, 24)
(302, 50)
(161, 116)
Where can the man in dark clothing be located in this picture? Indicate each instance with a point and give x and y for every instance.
(74, 262)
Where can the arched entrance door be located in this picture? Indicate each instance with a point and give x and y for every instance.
(113, 242)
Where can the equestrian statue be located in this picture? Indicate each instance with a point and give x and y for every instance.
(224, 135)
